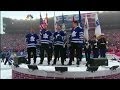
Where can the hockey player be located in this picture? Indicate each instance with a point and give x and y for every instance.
(3, 56)
(31, 40)
(46, 37)
(76, 43)
(8, 57)
(59, 41)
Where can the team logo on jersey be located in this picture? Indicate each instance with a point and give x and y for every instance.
(57, 35)
(45, 36)
(74, 34)
(95, 44)
(32, 38)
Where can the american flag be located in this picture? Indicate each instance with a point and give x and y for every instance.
(41, 22)
(46, 19)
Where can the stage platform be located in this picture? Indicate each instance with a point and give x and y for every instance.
(48, 72)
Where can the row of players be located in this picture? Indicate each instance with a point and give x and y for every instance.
(46, 40)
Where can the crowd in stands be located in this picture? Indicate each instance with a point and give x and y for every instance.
(13, 41)
(113, 38)
(17, 41)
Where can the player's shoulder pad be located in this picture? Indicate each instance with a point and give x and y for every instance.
(56, 33)
(79, 28)
(49, 32)
(27, 34)
(61, 31)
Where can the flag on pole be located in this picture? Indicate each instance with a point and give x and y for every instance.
(80, 21)
(41, 21)
(46, 19)
(63, 23)
(97, 26)
(73, 19)
(55, 23)
(86, 28)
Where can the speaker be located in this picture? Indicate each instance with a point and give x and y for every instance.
(61, 69)
(33, 67)
(16, 65)
(19, 60)
(92, 68)
(99, 62)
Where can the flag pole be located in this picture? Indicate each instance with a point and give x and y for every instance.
(40, 21)
(97, 25)
(0, 23)
(86, 28)
(30, 21)
(54, 21)
(63, 22)
(80, 23)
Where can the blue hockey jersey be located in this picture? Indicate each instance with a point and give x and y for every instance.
(77, 35)
(59, 38)
(32, 40)
(46, 36)
(8, 54)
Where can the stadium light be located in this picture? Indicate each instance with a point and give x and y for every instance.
(29, 17)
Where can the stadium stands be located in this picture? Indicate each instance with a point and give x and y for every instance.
(109, 22)
(17, 41)
(13, 41)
